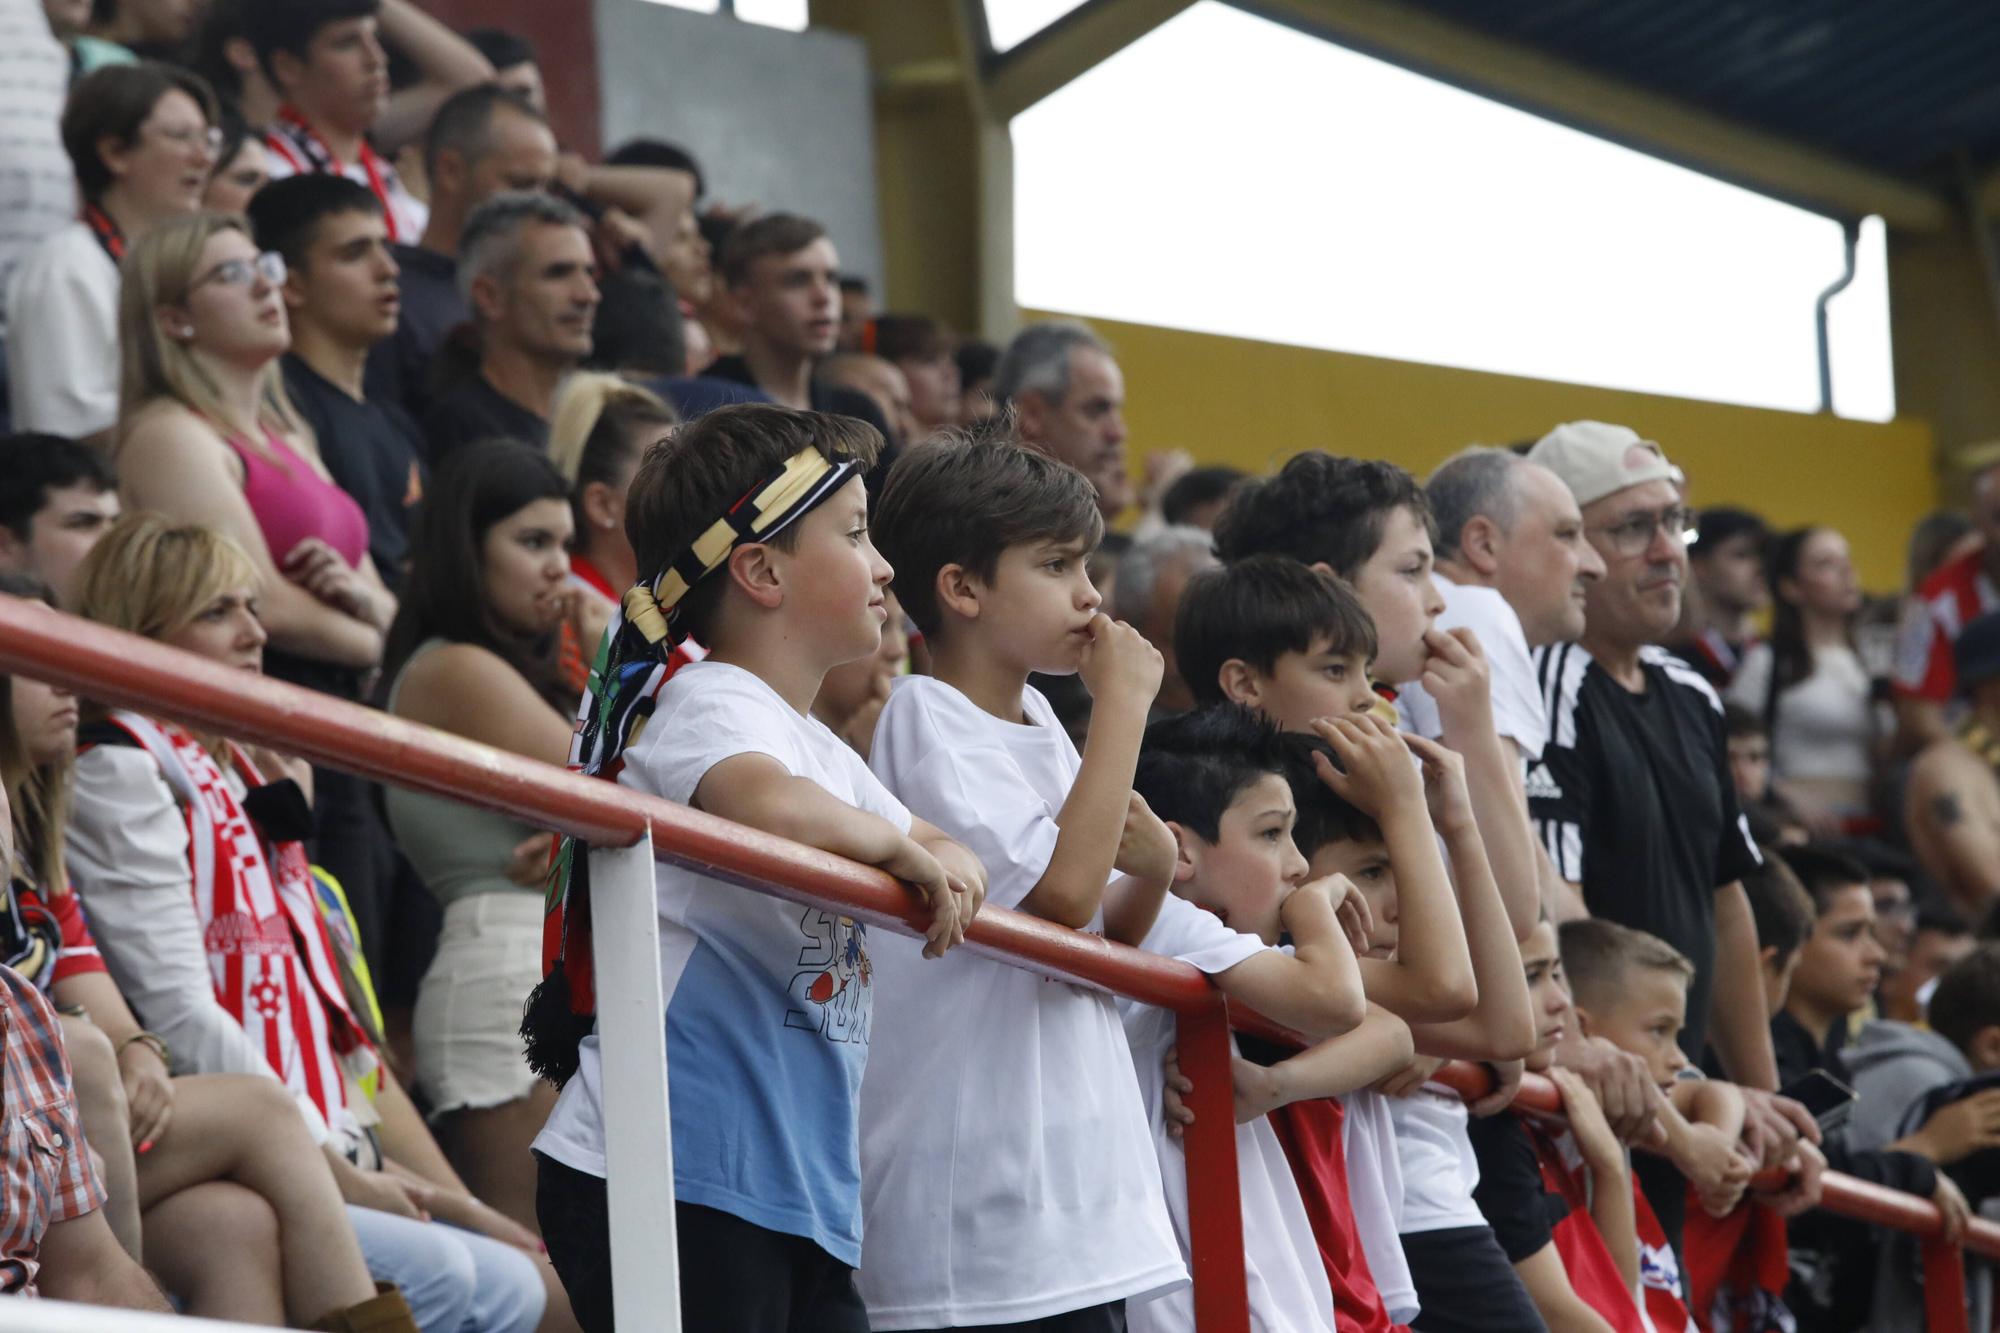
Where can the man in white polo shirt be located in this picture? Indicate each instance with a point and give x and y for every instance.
(1512, 566)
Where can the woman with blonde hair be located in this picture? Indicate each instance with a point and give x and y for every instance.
(208, 436)
(213, 1177)
(601, 427)
(186, 851)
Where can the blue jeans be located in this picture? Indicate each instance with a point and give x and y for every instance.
(455, 1281)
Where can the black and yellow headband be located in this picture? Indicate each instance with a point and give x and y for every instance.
(805, 481)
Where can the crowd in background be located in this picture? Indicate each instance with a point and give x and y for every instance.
(325, 358)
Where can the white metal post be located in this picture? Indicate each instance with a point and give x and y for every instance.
(632, 1046)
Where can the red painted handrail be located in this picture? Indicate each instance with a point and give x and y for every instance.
(123, 670)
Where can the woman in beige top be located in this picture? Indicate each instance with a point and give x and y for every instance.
(473, 651)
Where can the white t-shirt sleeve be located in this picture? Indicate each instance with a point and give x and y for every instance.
(1196, 935)
(982, 798)
(1752, 679)
(725, 712)
(1519, 714)
(62, 361)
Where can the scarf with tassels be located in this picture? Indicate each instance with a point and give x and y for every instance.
(642, 648)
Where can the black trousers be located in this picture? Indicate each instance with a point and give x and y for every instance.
(1465, 1284)
(1097, 1319)
(735, 1277)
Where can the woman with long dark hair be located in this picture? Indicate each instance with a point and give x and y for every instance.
(474, 650)
(1809, 683)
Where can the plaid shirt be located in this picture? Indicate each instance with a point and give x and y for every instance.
(46, 1174)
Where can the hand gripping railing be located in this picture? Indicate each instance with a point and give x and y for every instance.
(123, 670)
(1944, 1267)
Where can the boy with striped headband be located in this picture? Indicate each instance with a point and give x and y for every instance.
(751, 532)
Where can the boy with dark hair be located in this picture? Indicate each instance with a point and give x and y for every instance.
(1218, 779)
(1035, 1134)
(1369, 524)
(1198, 496)
(57, 497)
(1772, 819)
(1338, 1133)
(750, 532)
(784, 275)
(326, 61)
(1321, 509)
(516, 68)
(1784, 914)
(1448, 963)
(1277, 636)
(1839, 964)
(341, 291)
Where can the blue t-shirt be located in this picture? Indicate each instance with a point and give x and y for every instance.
(768, 1002)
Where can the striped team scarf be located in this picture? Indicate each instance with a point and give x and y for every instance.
(642, 648)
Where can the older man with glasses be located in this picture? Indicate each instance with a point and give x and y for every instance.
(1632, 797)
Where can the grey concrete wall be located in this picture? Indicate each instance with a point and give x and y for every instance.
(783, 119)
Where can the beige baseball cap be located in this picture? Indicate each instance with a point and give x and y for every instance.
(1595, 460)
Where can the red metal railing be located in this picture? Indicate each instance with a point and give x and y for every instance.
(126, 671)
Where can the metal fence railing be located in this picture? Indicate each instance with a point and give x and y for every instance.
(628, 830)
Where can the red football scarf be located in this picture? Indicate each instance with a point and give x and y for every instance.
(268, 951)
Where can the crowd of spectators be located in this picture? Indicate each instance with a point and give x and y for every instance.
(326, 359)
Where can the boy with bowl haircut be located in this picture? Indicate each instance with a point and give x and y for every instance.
(1217, 777)
(750, 528)
(1277, 636)
(1023, 1188)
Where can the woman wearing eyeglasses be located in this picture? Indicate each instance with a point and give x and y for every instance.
(141, 140)
(207, 435)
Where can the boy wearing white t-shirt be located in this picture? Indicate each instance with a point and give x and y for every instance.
(1298, 644)
(1008, 1174)
(750, 528)
(1218, 778)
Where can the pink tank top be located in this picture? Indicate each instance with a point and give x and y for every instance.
(293, 502)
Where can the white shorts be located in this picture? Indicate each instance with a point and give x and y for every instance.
(468, 1017)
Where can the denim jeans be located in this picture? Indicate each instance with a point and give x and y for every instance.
(455, 1281)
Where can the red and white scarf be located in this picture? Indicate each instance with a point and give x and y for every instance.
(268, 951)
(292, 137)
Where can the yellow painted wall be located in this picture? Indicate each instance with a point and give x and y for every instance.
(1251, 404)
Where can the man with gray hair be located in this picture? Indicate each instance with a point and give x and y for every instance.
(1512, 567)
(529, 277)
(1069, 399)
(1633, 797)
(482, 141)
(1152, 575)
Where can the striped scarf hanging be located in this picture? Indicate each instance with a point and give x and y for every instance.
(641, 650)
(269, 955)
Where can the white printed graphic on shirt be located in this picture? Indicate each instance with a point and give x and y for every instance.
(831, 989)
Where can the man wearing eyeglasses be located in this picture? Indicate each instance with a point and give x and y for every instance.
(1632, 796)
